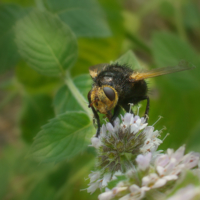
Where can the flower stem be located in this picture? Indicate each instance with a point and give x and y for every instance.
(77, 95)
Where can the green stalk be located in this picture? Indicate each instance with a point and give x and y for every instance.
(77, 95)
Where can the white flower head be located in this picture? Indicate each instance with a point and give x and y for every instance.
(119, 143)
(171, 164)
(123, 148)
(149, 175)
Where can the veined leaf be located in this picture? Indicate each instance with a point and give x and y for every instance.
(85, 18)
(63, 137)
(46, 43)
(24, 3)
(64, 99)
(193, 140)
(9, 56)
(36, 111)
(34, 82)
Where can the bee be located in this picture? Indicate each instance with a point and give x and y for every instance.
(115, 86)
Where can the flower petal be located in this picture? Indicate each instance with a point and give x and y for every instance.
(143, 161)
(109, 127)
(106, 195)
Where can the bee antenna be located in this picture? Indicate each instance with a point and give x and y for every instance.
(159, 117)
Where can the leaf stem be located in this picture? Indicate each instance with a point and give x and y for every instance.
(77, 95)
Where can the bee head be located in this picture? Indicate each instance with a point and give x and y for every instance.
(104, 98)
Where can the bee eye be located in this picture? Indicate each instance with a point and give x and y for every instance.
(109, 92)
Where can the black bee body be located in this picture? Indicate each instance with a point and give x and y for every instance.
(117, 86)
(117, 76)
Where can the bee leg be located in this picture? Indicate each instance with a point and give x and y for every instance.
(96, 116)
(116, 113)
(109, 116)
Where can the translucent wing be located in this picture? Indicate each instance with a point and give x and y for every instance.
(183, 65)
(94, 70)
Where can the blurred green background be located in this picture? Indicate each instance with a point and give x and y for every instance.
(159, 32)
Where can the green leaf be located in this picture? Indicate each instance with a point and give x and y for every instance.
(111, 46)
(42, 190)
(191, 15)
(64, 99)
(129, 59)
(4, 175)
(169, 50)
(9, 15)
(34, 82)
(176, 92)
(20, 2)
(85, 18)
(37, 110)
(194, 139)
(111, 50)
(167, 9)
(63, 137)
(46, 43)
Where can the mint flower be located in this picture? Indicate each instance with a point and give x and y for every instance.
(153, 174)
(171, 164)
(119, 145)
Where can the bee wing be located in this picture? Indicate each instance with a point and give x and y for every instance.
(94, 70)
(183, 65)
